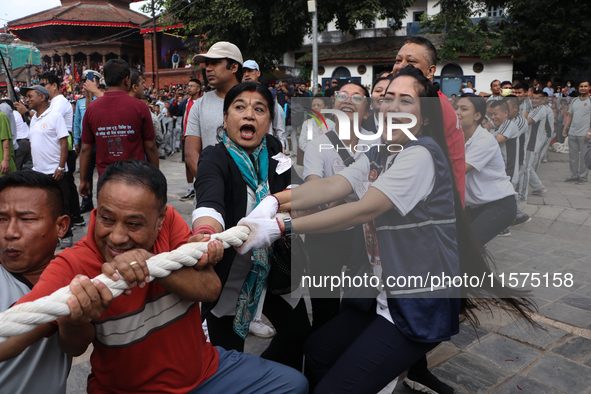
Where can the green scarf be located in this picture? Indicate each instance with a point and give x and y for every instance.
(254, 169)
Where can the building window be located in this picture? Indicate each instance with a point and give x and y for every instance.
(416, 16)
(494, 12)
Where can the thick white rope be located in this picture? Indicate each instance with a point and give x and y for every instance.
(25, 317)
(560, 147)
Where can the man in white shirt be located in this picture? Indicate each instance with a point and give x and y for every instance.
(535, 143)
(521, 122)
(495, 88)
(23, 153)
(60, 104)
(577, 129)
(48, 135)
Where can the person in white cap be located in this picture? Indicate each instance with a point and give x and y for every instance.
(223, 66)
(251, 73)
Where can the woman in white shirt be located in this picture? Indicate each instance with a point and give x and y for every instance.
(419, 227)
(468, 88)
(490, 196)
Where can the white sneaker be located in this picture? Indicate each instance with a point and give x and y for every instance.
(260, 329)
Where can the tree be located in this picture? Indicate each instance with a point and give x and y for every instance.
(553, 34)
(348, 13)
(546, 36)
(265, 29)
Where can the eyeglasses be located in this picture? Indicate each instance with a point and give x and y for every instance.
(356, 98)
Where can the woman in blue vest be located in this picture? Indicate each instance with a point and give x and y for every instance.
(410, 201)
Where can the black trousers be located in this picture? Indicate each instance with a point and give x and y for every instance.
(359, 352)
(328, 254)
(73, 200)
(286, 347)
(89, 177)
(488, 220)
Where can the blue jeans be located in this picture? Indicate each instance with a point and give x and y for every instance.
(246, 373)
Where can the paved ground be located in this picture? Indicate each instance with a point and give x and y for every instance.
(502, 355)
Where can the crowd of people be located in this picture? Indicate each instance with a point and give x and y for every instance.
(432, 205)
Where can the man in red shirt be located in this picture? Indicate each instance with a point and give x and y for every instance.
(150, 340)
(120, 125)
(420, 53)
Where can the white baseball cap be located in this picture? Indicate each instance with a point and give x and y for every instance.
(251, 65)
(220, 50)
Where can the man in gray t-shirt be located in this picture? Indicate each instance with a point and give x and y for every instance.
(223, 65)
(577, 127)
(32, 362)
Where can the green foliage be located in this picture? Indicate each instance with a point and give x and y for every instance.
(464, 37)
(306, 71)
(348, 13)
(265, 29)
(550, 33)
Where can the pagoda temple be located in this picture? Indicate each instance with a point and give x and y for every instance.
(88, 31)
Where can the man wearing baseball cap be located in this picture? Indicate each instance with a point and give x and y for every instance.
(250, 71)
(223, 66)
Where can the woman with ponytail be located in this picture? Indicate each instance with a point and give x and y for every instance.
(415, 222)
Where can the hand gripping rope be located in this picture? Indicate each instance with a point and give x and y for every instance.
(23, 318)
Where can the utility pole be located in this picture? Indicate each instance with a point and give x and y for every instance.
(155, 57)
(312, 9)
(6, 40)
(28, 72)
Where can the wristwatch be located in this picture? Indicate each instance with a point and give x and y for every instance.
(288, 232)
(62, 169)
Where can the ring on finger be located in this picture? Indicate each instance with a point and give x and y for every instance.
(130, 264)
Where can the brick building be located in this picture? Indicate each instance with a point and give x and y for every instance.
(88, 31)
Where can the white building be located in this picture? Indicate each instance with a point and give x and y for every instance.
(346, 58)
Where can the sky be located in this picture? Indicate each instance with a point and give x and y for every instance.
(12, 10)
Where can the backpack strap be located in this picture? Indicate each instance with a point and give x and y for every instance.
(340, 148)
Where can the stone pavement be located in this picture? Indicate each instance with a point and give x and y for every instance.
(502, 355)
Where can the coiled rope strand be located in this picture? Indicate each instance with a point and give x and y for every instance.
(23, 318)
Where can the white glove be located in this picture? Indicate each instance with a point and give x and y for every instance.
(266, 209)
(263, 232)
